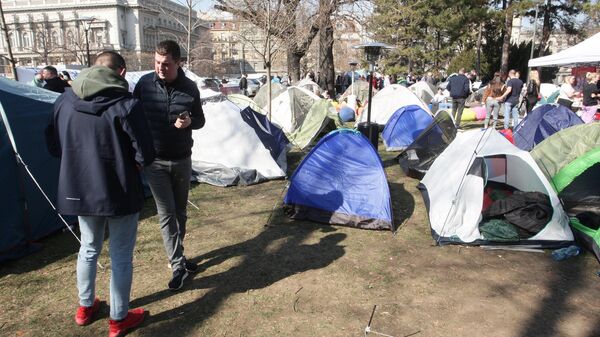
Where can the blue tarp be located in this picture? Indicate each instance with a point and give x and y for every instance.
(405, 125)
(341, 181)
(25, 215)
(541, 123)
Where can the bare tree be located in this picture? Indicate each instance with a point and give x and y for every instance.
(190, 22)
(11, 59)
(271, 19)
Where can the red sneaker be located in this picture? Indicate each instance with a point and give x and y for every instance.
(134, 318)
(85, 314)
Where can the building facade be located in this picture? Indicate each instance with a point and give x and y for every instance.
(60, 32)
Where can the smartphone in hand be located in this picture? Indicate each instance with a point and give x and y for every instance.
(184, 115)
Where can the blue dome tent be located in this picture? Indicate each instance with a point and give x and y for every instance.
(541, 123)
(341, 181)
(405, 125)
(25, 213)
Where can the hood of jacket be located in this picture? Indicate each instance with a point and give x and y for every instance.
(98, 88)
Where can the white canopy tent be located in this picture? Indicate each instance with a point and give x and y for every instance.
(586, 52)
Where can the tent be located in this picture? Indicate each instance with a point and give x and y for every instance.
(26, 215)
(262, 96)
(237, 147)
(404, 127)
(309, 85)
(476, 166)
(361, 90)
(570, 158)
(243, 101)
(431, 142)
(341, 181)
(423, 90)
(322, 115)
(387, 101)
(290, 108)
(586, 52)
(541, 123)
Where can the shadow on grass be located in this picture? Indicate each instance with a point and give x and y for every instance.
(403, 203)
(557, 306)
(52, 248)
(263, 264)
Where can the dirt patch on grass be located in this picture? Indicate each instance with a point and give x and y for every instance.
(263, 274)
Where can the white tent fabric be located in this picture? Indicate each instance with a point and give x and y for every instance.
(586, 52)
(456, 197)
(387, 101)
(309, 85)
(290, 107)
(423, 91)
(228, 151)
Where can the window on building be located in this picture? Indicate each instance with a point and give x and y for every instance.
(54, 39)
(26, 39)
(70, 38)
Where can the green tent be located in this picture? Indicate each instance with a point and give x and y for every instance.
(570, 159)
(321, 116)
(243, 101)
(361, 90)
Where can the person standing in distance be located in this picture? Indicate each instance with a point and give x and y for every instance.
(101, 134)
(459, 87)
(244, 84)
(53, 82)
(514, 85)
(172, 105)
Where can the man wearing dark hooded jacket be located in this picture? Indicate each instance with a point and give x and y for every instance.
(173, 108)
(100, 133)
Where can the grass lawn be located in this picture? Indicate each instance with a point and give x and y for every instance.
(263, 274)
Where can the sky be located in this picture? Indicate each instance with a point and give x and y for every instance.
(205, 5)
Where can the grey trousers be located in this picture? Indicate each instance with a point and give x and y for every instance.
(169, 182)
(458, 105)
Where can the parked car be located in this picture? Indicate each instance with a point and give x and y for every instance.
(212, 84)
(253, 86)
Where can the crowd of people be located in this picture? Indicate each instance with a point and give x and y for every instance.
(105, 136)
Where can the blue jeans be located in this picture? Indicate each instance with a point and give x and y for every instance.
(123, 231)
(169, 181)
(492, 107)
(511, 111)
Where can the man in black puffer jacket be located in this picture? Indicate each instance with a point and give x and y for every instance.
(172, 105)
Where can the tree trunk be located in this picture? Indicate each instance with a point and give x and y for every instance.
(508, 19)
(326, 66)
(293, 64)
(189, 34)
(546, 30)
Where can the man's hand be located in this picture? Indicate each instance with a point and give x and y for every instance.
(182, 123)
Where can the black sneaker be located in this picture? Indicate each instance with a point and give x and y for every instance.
(191, 267)
(176, 282)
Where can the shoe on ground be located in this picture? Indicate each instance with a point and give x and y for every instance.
(191, 267)
(176, 282)
(85, 315)
(134, 318)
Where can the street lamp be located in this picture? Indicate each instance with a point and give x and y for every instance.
(372, 52)
(87, 23)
